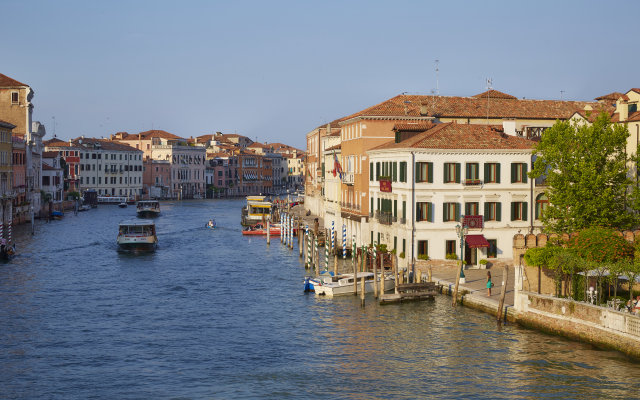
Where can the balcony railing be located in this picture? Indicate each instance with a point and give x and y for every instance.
(472, 182)
(348, 178)
(385, 218)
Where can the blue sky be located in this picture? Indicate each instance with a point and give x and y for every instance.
(274, 70)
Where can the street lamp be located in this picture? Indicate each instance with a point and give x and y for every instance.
(462, 231)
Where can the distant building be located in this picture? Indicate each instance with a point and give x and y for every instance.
(52, 176)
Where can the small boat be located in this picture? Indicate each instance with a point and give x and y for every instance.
(84, 207)
(6, 251)
(325, 277)
(122, 205)
(57, 214)
(343, 284)
(137, 235)
(211, 224)
(259, 229)
(148, 208)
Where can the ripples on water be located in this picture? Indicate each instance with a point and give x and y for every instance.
(213, 314)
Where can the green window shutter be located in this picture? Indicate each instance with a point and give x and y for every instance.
(457, 172)
(395, 243)
(395, 172)
(404, 209)
(378, 171)
(395, 208)
(430, 212)
(445, 178)
(486, 210)
(372, 237)
(370, 171)
(487, 171)
(445, 212)
(514, 170)
(323, 170)
(378, 237)
(404, 245)
(524, 172)
(371, 210)
(498, 211)
(378, 204)
(513, 211)
(498, 173)
(525, 210)
(430, 172)
(457, 211)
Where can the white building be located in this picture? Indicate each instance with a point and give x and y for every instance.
(435, 176)
(111, 168)
(52, 176)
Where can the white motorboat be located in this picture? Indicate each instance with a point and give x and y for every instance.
(148, 208)
(343, 284)
(137, 235)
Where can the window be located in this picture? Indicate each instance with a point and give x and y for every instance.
(424, 172)
(370, 171)
(404, 210)
(492, 250)
(491, 173)
(542, 203)
(15, 98)
(492, 211)
(472, 171)
(450, 247)
(403, 171)
(451, 212)
(394, 175)
(424, 212)
(519, 211)
(378, 171)
(518, 173)
(404, 245)
(45, 181)
(451, 173)
(471, 208)
(423, 248)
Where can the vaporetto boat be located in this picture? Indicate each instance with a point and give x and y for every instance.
(137, 235)
(148, 208)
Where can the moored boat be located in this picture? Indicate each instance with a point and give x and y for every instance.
(148, 208)
(343, 284)
(137, 235)
(259, 229)
(122, 205)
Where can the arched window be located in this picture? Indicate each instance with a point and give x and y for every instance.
(542, 202)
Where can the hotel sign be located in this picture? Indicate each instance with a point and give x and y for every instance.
(473, 221)
(385, 185)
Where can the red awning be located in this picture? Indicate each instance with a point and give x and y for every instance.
(475, 241)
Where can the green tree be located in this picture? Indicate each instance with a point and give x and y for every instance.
(586, 175)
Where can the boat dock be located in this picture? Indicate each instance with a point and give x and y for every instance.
(410, 292)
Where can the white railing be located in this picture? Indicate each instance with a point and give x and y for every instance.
(348, 178)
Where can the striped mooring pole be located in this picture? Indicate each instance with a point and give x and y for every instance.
(283, 229)
(333, 236)
(317, 253)
(9, 233)
(326, 255)
(344, 242)
(281, 219)
(308, 246)
(292, 231)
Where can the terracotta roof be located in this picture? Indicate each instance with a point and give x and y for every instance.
(633, 117)
(463, 137)
(611, 96)
(637, 90)
(473, 107)
(49, 154)
(258, 145)
(5, 81)
(494, 94)
(156, 133)
(413, 127)
(104, 144)
(591, 115)
(55, 142)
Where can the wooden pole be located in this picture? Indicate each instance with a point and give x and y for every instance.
(418, 276)
(355, 274)
(362, 290)
(335, 263)
(268, 232)
(374, 267)
(394, 266)
(430, 275)
(316, 260)
(503, 292)
(454, 302)
(300, 241)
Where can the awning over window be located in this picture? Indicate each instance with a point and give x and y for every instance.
(476, 241)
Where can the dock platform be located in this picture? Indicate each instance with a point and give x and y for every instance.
(411, 292)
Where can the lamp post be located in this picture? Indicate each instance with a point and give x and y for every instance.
(461, 231)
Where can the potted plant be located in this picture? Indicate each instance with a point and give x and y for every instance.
(451, 256)
(423, 257)
(402, 255)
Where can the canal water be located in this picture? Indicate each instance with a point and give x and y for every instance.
(212, 314)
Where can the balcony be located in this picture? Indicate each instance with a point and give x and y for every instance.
(348, 178)
(385, 218)
(472, 182)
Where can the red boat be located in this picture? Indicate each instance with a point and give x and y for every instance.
(259, 229)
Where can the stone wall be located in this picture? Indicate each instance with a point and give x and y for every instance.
(582, 321)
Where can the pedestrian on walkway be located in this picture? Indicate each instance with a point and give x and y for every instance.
(489, 283)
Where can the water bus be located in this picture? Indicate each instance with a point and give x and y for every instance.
(148, 208)
(137, 235)
(258, 209)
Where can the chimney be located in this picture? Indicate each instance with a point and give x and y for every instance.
(622, 108)
(509, 126)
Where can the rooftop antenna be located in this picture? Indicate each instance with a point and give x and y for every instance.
(561, 95)
(54, 125)
(489, 88)
(437, 78)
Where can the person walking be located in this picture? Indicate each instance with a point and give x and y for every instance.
(489, 283)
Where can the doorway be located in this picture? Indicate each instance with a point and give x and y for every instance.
(470, 255)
